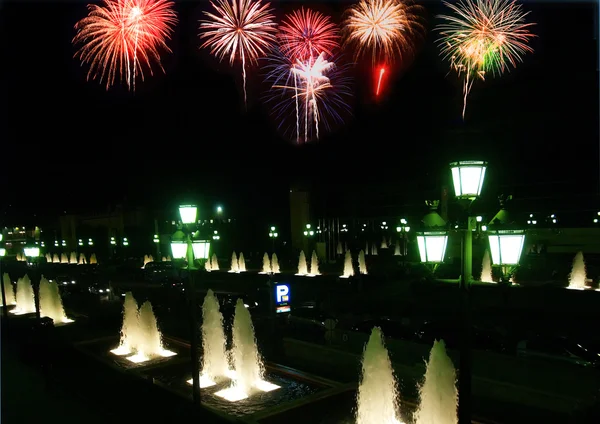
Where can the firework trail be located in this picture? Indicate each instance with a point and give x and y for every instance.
(121, 37)
(243, 29)
(385, 29)
(306, 33)
(316, 89)
(483, 36)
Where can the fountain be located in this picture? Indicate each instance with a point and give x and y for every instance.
(82, 260)
(24, 297)
(275, 264)
(266, 268)
(486, 268)
(366, 248)
(438, 396)
(340, 249)
(19, 257)
(139, 333)
(377, 398)
(314, 265)
(374, 249)
(214, 359)
(248, 365)
(51, 304)
(208, 266)
(214, 263)
(362, 263)
(93, 259)
(73, 258)
(302, 266)
(147, 260)
(348, 268)
(384, 243)
(169, 259)
(235, 267)
(163, 259)
(64, 259)
(55, 259)
(241, 263)
(48, 258)
(9, 290)
(397, 248)
(578, 276)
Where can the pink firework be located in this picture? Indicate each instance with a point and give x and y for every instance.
(122, 37)
(306, 34)
(240, 29)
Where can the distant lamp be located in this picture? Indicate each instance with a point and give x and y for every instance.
(432, 246)
(506, 246)
(201, 249)
(188, 213)
(32, 251)
(468, 177)
(2, 252)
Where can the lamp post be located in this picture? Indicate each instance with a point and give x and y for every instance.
(273, 234)
(467, 177)
(402, 231)
(33, 252)
(2, 254)
(183, 247)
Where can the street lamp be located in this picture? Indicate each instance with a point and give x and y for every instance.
(273, 234)
(32, 252)
(182, 246)
(506, 247)
(308, 232)
(468, 178)
(216, 235)
(432, 246)
(2, 254)
(402, 231)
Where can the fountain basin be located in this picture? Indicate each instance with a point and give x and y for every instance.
(175, 377)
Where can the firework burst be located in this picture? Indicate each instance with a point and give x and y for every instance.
(313, 91)
(122, 37)
(483, 36)
(386, 29)
(240, 29)
(306, 33)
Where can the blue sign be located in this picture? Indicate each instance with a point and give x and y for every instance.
(282, 298)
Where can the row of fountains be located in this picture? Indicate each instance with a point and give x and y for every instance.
(371, 248)
(64, 258)
(243, 372)
(149, 258)
(22, 297)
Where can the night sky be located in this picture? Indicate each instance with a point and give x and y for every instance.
(69, 143)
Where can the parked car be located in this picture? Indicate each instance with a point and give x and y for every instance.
(450, 332)
(561, 349)
(391, 328)
(163, 273)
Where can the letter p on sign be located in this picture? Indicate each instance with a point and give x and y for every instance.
(282, 293)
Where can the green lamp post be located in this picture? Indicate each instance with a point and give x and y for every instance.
(273, 234)
(2, 254)
(506, 247)
(432, 241)
(467, 178)
(32, 253)
(183, 247)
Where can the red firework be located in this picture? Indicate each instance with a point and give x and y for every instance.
(306, 33)
(121, 37)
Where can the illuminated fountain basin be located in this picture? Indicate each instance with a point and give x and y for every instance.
(246, 360)
(141, 340)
